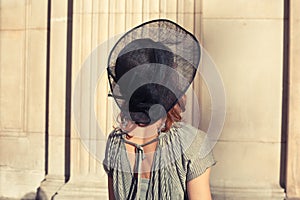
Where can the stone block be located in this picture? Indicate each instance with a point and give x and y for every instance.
(36, 61)
(249, 57)
(243, 9)
(37, 14)
(247, 168)
(13, 14)
(12, 80)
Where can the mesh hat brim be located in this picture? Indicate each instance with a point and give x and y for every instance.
(146, 91)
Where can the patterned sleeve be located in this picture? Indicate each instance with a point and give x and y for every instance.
(107, 170)
(107, 161)
(197, 166)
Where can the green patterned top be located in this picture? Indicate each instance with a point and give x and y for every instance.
(181, 155)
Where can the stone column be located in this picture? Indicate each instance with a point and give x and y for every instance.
(23, 47)
(293, 151)
(246, 43)
(59, 101)
(90, 28)
(94, 22)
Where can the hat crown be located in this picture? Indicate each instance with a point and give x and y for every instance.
(151, 67)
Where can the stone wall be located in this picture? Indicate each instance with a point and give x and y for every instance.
(40, 142)
(293, 84)
(246, 42)
(23, 51)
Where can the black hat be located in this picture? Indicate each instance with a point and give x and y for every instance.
(150, 68)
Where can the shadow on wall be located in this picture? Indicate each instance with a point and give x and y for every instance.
(39, 195)
(29, 196)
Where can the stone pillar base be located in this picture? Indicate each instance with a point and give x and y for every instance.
(19, 183)
(84, 189)
(50, 186)
(234, 193)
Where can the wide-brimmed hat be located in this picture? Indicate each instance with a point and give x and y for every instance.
(150, 68)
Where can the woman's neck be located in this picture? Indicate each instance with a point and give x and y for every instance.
(143, 133)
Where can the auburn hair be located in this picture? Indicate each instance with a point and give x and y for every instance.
(174, 115)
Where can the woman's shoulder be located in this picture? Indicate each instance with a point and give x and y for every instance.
(192, 139)
(188, 132)
(115, 134)
(114, 137)
(113, 144)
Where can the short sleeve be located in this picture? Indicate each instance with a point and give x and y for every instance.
(106, 166)
(198, 154)
(197, 165)
(107, 169)
(107, 162)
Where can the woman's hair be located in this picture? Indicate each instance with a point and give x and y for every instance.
(174, 115)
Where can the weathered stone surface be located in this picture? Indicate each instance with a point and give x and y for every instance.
(244, 39)
(293, 154)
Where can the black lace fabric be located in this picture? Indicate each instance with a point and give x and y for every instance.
(151, 67)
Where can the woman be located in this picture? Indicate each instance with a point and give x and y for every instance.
(152, 154)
